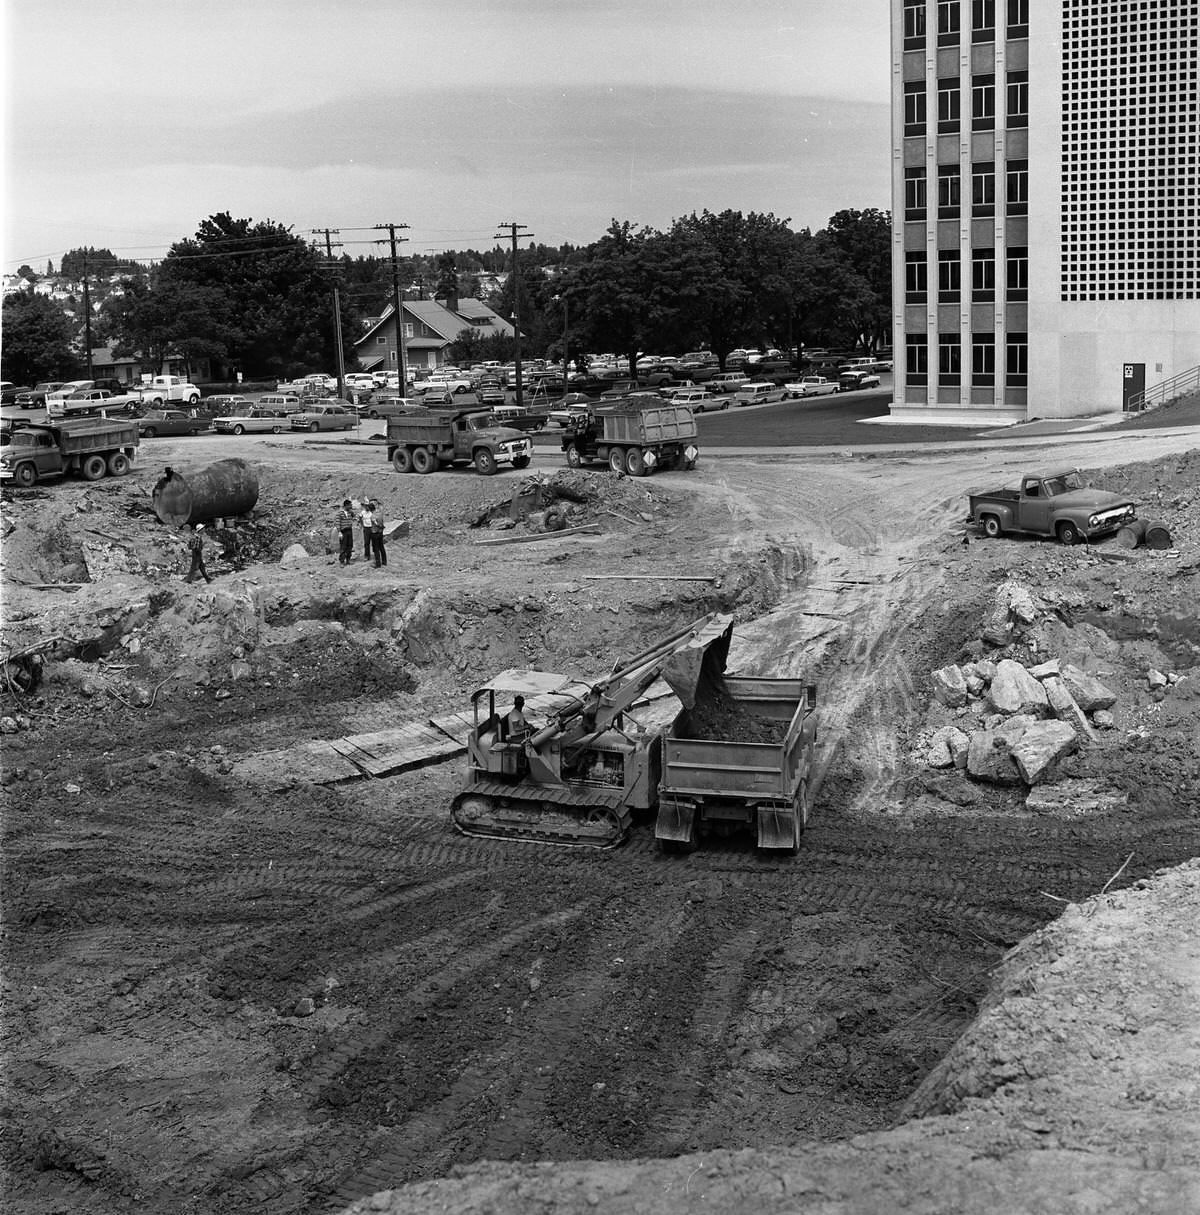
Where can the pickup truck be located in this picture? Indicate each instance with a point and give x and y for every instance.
(810, 386)
(1058, 504)
(91, 401)
(423, 440)
(91, 447)
(163, 388)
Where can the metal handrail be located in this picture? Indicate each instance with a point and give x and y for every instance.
(1166, 392)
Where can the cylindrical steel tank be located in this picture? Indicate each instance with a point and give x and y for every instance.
(1158, 535)
(217, 491)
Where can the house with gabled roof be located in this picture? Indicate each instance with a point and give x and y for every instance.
(430, 326)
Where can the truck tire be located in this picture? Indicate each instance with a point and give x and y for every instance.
(149, 432)
(991, 527)
(485, 462)
(118, 464)
(25, 475)
(94, 468)
(423, 460)
(194, 399)
(616, 459)
(1067, 532)
(521, 461)
(574, 459)
(402, 460)
(635, 466)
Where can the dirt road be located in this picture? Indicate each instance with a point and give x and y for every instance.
(223, 998)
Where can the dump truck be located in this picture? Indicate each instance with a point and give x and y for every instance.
(587, 759)
(423, 440)
(1060, 504)
(639, 434)
(88, 447)
(738, 758)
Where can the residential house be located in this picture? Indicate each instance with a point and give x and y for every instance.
(430, 326)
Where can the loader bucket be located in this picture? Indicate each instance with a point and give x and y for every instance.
(699, 664)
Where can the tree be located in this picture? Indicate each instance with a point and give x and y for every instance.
(37, 340)
(27, 272)
(865, 237)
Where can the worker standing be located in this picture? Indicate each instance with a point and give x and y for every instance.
(367, 518)
(345, 526)
(377, 545)
(196, 548)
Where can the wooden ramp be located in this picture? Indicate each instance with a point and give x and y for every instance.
(380, 753)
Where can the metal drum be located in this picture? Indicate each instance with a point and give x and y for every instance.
(218, 491)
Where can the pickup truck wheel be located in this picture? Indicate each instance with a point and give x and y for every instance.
(1068, 533)
(402, 459)
(991, 527)
(94, 468)
(148, 432)
(574, 460)
(485, 462)
(25, 475)
(118, 465)
(521, 461)
(422, 460)
(616, 460)
(194, 399)
(635, 466)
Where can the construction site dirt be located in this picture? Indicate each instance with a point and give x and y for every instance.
(238, 976)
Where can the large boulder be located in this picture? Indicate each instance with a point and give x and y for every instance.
(1012, 609)
(1041, 745)
(990, 752)
(945, 747)
(1014, 690)
(950, 687)
(1065, 708)
(1089, 693)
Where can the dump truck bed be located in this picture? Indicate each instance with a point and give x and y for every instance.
(647, 426)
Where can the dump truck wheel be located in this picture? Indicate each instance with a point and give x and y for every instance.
(574, 459)
(635, 466)
(1068, 533)
(402, 460)
(991, 527)
(422, 460)
(25, 476)
(485, 462)
(94, 468)
(616, 460)
(118, 464)
(150, 432)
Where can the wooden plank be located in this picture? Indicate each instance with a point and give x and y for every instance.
(388, 751)
(593, 528)
(649, 577)
(455, 725)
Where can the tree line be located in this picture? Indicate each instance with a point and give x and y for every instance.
(255, 297)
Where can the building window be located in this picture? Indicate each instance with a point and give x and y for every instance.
(948, 22)
(1016, 196)
(408, 332)
(983, 190)
(949, 190)
(983, 360)
(983, 20)
(983, 275)
(1018, 18)
(948, 107)
(916, 359)
(949, 276)
(914, 107)
(1016, 274)
(1017, 109)
(914, 25)
(381, 341)
(1016, 360)
(916, 277)
(949, 360)
(914, 193)
(983, 103)
(392, 357)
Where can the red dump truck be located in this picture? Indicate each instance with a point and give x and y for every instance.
(89, 447)
(641, 433)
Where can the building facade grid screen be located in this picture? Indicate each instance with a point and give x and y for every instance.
(1130, 149)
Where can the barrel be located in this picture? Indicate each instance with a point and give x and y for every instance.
(1158, 535)
(1132, 534)
(217, 491)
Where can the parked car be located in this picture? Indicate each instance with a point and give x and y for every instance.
(727, 381)
(92, 400)
(853, 381)
(671, 387)
(280, 403)
(810, 386)
(170, 422)
(700, 399)
(224, 404)
(10, 391)
(255, 421)
(570, 409)
(358, 381)
(325, 417)
(387, 407)
(757, 393)
(35, 397)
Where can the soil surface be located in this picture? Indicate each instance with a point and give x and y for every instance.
(226, 996)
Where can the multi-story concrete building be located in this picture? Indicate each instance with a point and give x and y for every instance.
(1046, 203)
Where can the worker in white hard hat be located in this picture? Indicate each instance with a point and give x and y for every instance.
(196, 548)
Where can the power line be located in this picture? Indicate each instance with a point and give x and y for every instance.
(515, 231)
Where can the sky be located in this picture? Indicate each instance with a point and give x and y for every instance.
(127, 122)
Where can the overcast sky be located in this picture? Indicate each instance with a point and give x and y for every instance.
(127, 122)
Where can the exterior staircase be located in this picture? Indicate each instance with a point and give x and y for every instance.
(1185, 384)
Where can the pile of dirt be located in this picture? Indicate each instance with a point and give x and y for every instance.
(719, 715)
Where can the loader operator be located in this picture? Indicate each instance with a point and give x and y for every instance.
(518, 726)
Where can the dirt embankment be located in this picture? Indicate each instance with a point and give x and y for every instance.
(225, 997)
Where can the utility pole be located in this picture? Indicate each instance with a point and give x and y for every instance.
(329, 264)
(397, 299)
(566, 316)
(513, 231)
(87, 317)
